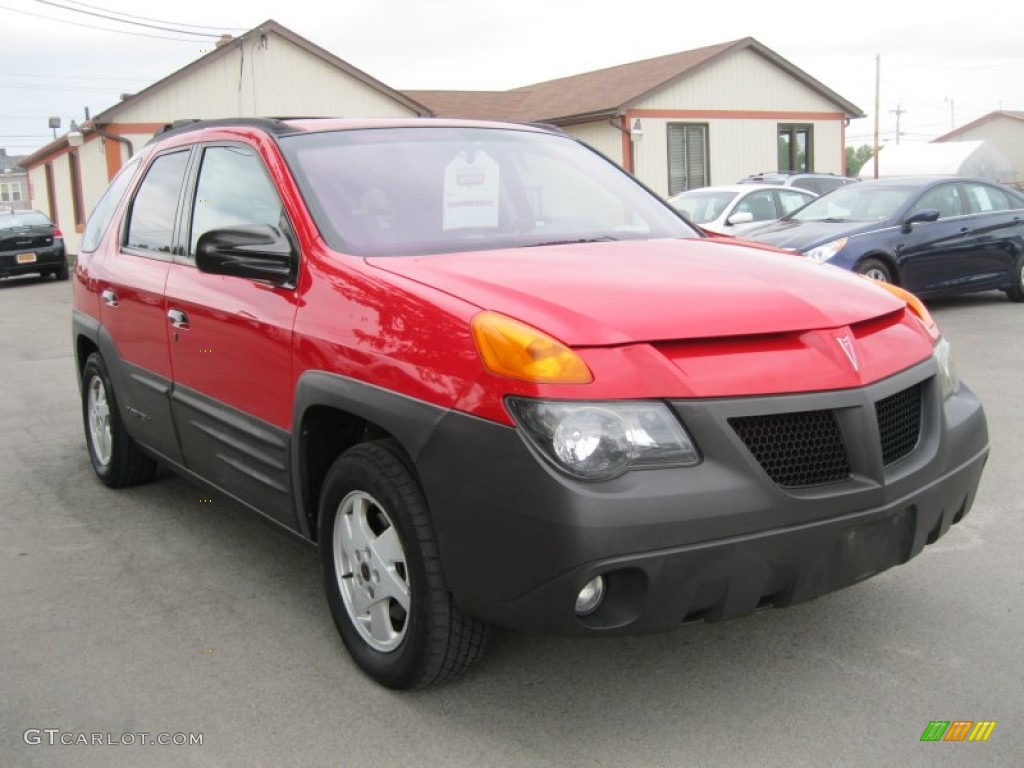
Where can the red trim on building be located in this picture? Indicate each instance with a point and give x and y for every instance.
(734, 114)
(627, 145)
(123, 128)
(842, 143)
(113, 153)
(51, 190)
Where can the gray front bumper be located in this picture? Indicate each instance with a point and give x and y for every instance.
(721, 539)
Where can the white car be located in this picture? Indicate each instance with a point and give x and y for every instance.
(738, 208)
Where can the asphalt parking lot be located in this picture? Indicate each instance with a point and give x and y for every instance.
(160, 610)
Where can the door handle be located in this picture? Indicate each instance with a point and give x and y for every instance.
(178, 319)
(109, 297)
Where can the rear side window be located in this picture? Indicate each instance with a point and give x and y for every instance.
(23, 219)
(99, 220)
(819, 185)
(982, 198)
(760, 204)
(151, 222)
(791, 200)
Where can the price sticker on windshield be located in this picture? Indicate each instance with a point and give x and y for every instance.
(471, 191)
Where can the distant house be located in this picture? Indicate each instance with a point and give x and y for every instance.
(269, 70)
(1002, 129)
(707, 116)
(14, 193)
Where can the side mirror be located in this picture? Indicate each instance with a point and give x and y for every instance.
(918, 217)
(743, 217)
(257, 252)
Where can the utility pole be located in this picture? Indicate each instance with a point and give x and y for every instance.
(898, 112)
(878, 83)
(952, 113)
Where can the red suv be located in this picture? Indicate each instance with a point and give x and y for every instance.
(495, 380)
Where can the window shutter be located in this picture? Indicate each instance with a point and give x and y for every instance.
(687, 157)
(697, 165)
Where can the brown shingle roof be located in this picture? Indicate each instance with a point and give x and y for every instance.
(602, 92)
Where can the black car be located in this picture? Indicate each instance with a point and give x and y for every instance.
(931, 235)
(30, 243)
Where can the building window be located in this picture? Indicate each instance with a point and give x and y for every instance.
(796, 148)
(10, 192)
(51, 195)
(687, 157)
(76, 189)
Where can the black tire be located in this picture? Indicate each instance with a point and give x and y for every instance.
(1016, 289)
(116, 459)
(876, 269)
(370, 489)
(62, 272)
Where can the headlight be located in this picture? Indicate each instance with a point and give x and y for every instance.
(948, 378)
(823, 253)
(602, 440)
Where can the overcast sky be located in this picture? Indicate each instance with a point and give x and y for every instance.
(948, 64)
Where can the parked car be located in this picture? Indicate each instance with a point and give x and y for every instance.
(933, 235)
(495, 380)
(30, 244)
(818, 183)
(733, 210)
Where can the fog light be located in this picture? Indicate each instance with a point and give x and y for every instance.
(590, 596)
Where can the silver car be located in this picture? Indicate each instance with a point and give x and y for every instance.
(735, 209)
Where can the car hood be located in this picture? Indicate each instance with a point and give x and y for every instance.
(804, 235)
(622, 292)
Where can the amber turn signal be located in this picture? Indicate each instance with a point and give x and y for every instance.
(511, 348)
(916, 306)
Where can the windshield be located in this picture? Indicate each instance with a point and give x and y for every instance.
(702, 207)
(856, 202)
(411, 190)
(23, 219)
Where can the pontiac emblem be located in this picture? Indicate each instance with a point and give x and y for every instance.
(851, 354)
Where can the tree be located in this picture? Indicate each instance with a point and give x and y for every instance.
(855, 158)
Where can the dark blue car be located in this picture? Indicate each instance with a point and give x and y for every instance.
(931, 235)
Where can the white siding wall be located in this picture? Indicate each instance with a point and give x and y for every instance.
(275, 77)
(601, 136)
(39, 200)
(743, 80)
(1006, 135)
(736, 148)
(92, 158)
(744, 144)
(65, 207)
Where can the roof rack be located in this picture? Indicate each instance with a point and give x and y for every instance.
(272, 125)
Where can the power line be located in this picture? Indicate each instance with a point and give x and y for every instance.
(47, 87)
(147, 18)
(93, 26)
(125, 21)
(63, 76)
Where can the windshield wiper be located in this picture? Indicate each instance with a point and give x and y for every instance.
(576, 241)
